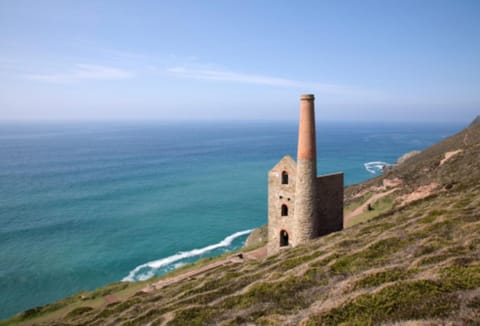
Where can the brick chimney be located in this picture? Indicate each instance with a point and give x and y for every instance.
(305, 188)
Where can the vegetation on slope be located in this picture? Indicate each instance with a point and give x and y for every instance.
(412, 260)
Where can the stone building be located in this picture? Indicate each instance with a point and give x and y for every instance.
(302, 206)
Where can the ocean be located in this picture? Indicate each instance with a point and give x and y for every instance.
(90, 203)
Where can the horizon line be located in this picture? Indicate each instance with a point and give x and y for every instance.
(55, 120)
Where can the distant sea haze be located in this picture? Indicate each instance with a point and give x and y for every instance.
(86, 204)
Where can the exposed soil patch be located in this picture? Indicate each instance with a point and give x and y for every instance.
(449, 155)
(392, 183)
(386, 184)
(110, 298)
(256, 254)
(234, 259)
(359, 210)
(420, 193)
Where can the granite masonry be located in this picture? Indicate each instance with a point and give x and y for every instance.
(302, 206)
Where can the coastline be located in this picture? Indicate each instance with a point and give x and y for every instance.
(172, 199)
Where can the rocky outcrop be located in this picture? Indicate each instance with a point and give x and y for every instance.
(407, 156)
(258, 237)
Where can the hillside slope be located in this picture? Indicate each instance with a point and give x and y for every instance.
(413, 256)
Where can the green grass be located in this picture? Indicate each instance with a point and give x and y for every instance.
(461, 277)
(280, 296)
(290, 263)
(382, 205)
(376, 227)
(390, 275)
(434, 259)
(409, 300)
(429, 247)
(357, 202)
(325, 261)
(402, 301)
(194, 316)
(371, 256)
(78, 311)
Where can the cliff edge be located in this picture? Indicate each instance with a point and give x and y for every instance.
(410, 254)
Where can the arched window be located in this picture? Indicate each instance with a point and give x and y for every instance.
(284, 178)
(284, 210)
(283, 238)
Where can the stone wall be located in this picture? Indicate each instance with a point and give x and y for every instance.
(326, 212)
(329, 204)
(280, 194)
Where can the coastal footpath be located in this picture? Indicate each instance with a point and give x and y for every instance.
(410, 252)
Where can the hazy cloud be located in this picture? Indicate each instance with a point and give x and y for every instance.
(229, 76)
(84, 72)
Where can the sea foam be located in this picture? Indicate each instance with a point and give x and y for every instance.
(147, 270)
(375, 167)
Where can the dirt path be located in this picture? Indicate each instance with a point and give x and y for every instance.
(419, 193)
(234, 259)
(449, 155)
(360, 209)
(259, 253)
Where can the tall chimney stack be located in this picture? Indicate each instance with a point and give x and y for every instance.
(305, 188)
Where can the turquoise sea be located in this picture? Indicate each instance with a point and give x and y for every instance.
(86, 204)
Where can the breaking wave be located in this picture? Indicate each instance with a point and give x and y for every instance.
(148, 270)
(375, 167)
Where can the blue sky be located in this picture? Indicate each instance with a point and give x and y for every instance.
(248, 60)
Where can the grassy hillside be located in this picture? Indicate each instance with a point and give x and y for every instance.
(414, 256)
